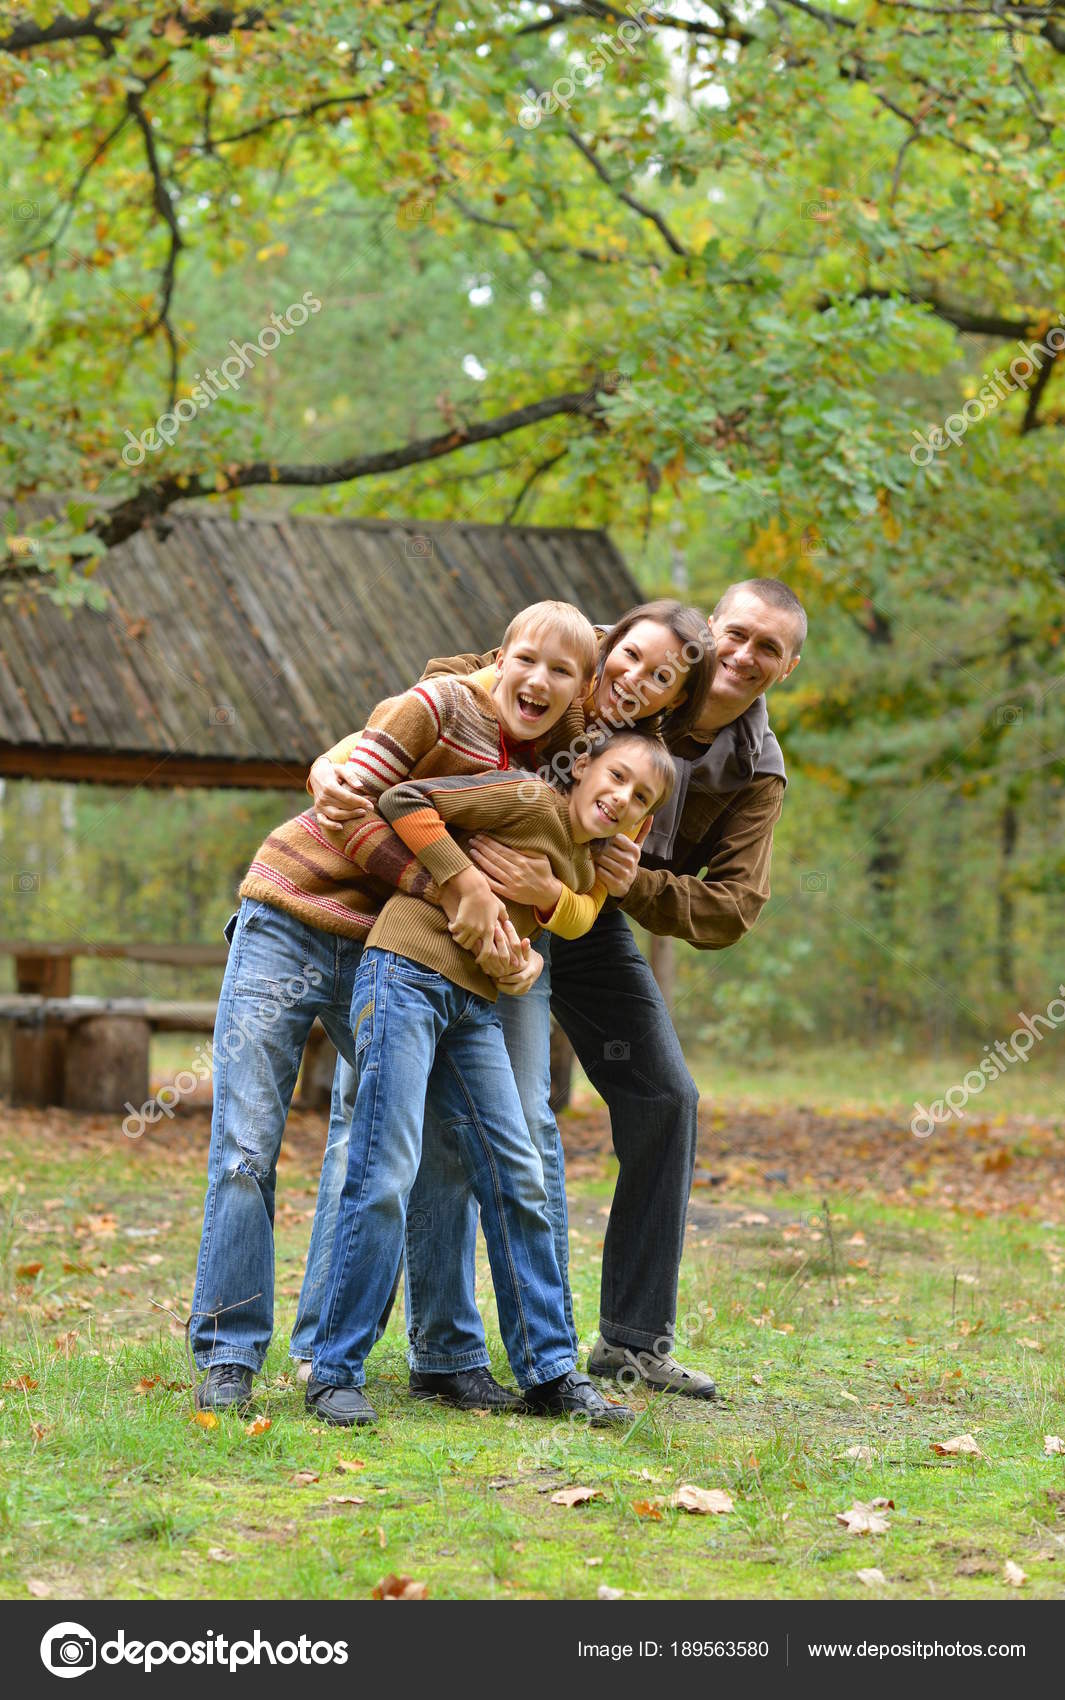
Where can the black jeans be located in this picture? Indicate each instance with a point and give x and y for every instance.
(607, 1001)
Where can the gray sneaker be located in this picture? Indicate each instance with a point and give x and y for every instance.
(665, 1375)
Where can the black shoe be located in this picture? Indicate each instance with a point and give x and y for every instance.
(344, 1407)
(574, 1395)
(467, 1390)
(225, 1387)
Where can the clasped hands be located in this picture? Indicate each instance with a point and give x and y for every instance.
(477, 919)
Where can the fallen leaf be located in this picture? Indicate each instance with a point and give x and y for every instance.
(40, 1590)
(28, 1271)
(400, 1588)
(345, 1499)
(104, 1225)
(856, 1239)
(21, 1384)
(259, 1426)
(882, 1504)
(1014, 1575)
(647, 1508)
(1030, 1345)
(350, 1464)
(605, 1593)
(303, 1478)
(852, 1397)
(592, 1561)
(759, 1381)
(702, 1500)
(857, 1454)
(66, 1344)
(861, 1519)
(576, 1495)
(38, 1431)
(205, 1419)
(754, 1219)
(1053, 1445)
(962, 1445)
(219, 1555)
(145, 1384)
(872, 1578)
(382, 1538)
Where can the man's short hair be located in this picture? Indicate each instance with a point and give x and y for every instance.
(569, 625)
(777, 595)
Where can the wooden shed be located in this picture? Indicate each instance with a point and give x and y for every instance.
(234, 651)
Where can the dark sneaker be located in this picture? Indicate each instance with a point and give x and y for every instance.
(664, 1375)
(574, 1395)
(467, 1390)
(344, 1407)
(225, 1387)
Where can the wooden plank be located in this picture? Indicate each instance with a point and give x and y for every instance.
(174, 955)
(166, 1016)
(155, 768)
(344, 696)
(27, 667)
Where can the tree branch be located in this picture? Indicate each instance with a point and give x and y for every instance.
(164, 206)
(671, 241)
(220, 20)
(151, 500)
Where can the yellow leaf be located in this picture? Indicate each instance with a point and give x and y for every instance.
(576, 1495)
(204, 1419)
(259, 1426)
(1014, 1575)
(702, 1500)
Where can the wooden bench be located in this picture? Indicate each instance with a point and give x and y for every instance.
(91, 1053)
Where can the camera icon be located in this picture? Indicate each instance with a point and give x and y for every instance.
(529, 117)
(68, 1649)
(1009, 714)
(222, 714)
(813, 881)
(25, 882)
(419, 546)
(616, 1050)
(26, 210)
(416, 212)
(811, 544)
(23, 546)
(223, 45)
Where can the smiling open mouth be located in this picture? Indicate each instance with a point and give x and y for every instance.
(529, 708)
(602, 810)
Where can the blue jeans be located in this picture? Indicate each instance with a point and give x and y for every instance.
(606, 1000)
(416, 1034)
(279, 976)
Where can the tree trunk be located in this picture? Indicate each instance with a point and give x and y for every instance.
(561, 1069)
(1005, 952)
(664, 967)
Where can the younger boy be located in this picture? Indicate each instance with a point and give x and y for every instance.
(423, 1020)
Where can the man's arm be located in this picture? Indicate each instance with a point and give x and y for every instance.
(462, 664)
(715, 909)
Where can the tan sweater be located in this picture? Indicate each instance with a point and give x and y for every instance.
(337, 878)
(521, 811)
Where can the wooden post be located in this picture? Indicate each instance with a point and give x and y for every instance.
(319, 1063)
(38, 1053)
(664, 967)
(107, 1063)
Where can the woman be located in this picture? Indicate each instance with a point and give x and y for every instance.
(655, 669)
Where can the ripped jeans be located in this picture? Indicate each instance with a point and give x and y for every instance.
(279, 976)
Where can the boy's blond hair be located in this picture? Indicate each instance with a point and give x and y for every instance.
(572, 628)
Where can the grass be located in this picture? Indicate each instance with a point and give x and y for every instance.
(888, 1325)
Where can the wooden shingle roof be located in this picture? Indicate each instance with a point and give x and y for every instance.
(234, 651)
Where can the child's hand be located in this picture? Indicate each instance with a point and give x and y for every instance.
(504, 955)
(337, 797)
(522, 876)
(479, 911)
(523, 979)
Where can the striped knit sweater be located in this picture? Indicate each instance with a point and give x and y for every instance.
(338, 878)
(521, 811)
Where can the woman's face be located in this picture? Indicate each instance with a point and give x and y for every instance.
(643, 674)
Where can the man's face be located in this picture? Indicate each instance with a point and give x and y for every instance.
(755, 649)
(537, 677)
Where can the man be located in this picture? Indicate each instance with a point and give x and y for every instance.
(703, 876)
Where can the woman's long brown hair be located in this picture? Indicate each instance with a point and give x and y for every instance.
(696, 660)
